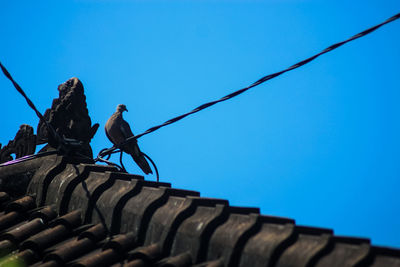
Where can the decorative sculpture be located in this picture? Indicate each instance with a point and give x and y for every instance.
(69, 117)
(24, 143)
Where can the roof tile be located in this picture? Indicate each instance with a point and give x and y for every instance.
(46, 238)
(195, 231)
(70, 250)
(69, 220)
(62, 185)
(216, 263)
(9, 219)
(23, 230)
(180, 260)
(94, 233)
(229, 238)
(267, 243)
(22, 204)
(148, 254)
(121, 243)
(308, 244)
(134, 263)
(383, 257)
(109, 199)
(6, 247)
(50, 167)
(344, 252)
(46, 213)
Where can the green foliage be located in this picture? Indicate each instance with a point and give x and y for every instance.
(12, 261)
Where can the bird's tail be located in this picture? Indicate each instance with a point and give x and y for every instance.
(142, 163)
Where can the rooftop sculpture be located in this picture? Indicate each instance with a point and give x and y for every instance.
(24, 143)
(68, 116)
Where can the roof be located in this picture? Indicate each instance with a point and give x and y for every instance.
(69, 211)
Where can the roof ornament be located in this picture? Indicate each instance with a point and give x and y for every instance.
(24, 143)
(65, 127)
(70, 119)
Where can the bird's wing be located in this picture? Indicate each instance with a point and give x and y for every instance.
(125, 129)
(113, 130)
(108, 136)
(118, 130)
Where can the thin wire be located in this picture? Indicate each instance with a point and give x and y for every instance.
(258, 82)
(30, 103)
(28, 157)
(101, 159)
(154, 166)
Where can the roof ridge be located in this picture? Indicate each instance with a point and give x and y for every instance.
(185, 227)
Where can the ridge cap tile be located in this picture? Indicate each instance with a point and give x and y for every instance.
(175, 192)
(166, 219)
(112, 200)
(42, 178)
(275, 219)
(352, 252)
(351, 240)
(243, 210)
(300, 229)
(387, 251)
(308, 247)
(266, 244)
(228, 239)
(207, 201)
(123, 175)
(194, 232)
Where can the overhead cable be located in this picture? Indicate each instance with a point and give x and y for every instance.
(50, 128)
(258, 82)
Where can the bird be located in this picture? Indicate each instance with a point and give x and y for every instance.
(118, 130)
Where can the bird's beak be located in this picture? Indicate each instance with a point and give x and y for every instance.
(126, 109)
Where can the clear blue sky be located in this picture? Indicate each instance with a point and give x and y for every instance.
(319, 144)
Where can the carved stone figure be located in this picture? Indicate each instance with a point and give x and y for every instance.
(118, 130)
(69, 117)
(23, 144)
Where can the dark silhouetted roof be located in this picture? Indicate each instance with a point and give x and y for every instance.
(75, 213)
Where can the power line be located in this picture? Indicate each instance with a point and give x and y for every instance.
(63, 144)
(258, 82)
(31, 105)
(105, 152)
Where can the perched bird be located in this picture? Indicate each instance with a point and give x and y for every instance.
(118, 130)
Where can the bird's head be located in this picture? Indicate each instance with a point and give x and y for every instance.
(121, 108)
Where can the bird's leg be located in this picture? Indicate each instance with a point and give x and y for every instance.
(120, 161)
